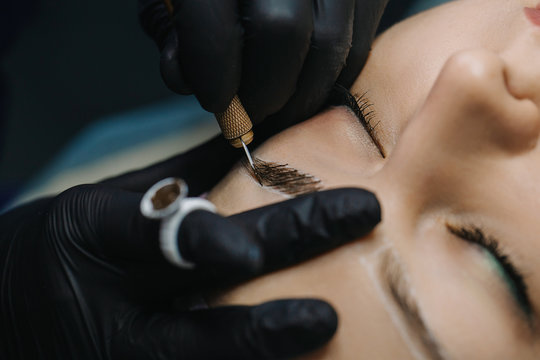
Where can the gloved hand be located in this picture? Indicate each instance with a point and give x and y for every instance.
(281, 57)
(82, 275)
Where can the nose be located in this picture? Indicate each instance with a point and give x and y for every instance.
(469, 121)
(483, 103)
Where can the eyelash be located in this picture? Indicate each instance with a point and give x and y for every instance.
(365, 112)
(361, 107)
(476, 236)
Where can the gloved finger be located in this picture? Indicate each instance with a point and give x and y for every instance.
(110, 221)
(275, 330)
(201, 168)
(367, 15)
(233, 249)
(330, 44)
(210, 38)
(276, 42)
(218, 247)
(155, 20)
(169, 65)
(297, 229)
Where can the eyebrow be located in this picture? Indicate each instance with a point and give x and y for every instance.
(282, 177)
(399, 288)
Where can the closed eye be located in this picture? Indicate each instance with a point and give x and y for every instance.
(509, 273)
(362, 108)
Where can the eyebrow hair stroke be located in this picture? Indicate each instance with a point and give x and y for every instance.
(282, 177)
(398, 287)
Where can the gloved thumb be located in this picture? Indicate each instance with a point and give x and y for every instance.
(274, 330)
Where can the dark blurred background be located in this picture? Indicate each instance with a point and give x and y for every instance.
(66, 63)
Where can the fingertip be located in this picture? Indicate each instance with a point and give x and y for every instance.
(368, 205)
(295, 327)
(315, 316)
(170, 70)
(357, 211)
(216, 100)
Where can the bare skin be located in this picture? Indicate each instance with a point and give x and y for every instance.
(457, 95)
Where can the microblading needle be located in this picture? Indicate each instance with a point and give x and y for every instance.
(248, 155)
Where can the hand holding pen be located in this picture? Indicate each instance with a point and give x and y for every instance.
(282, 58)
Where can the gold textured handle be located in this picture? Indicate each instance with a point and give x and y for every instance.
(235, 123)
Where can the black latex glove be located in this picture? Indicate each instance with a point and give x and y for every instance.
(82, 275)
(281, 57)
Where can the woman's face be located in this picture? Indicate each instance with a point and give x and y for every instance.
(453, 269)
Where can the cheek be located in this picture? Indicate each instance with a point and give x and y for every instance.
(398, 79)
(406, 59)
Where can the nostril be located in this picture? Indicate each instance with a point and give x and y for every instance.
(515, 86)
(522, 58)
